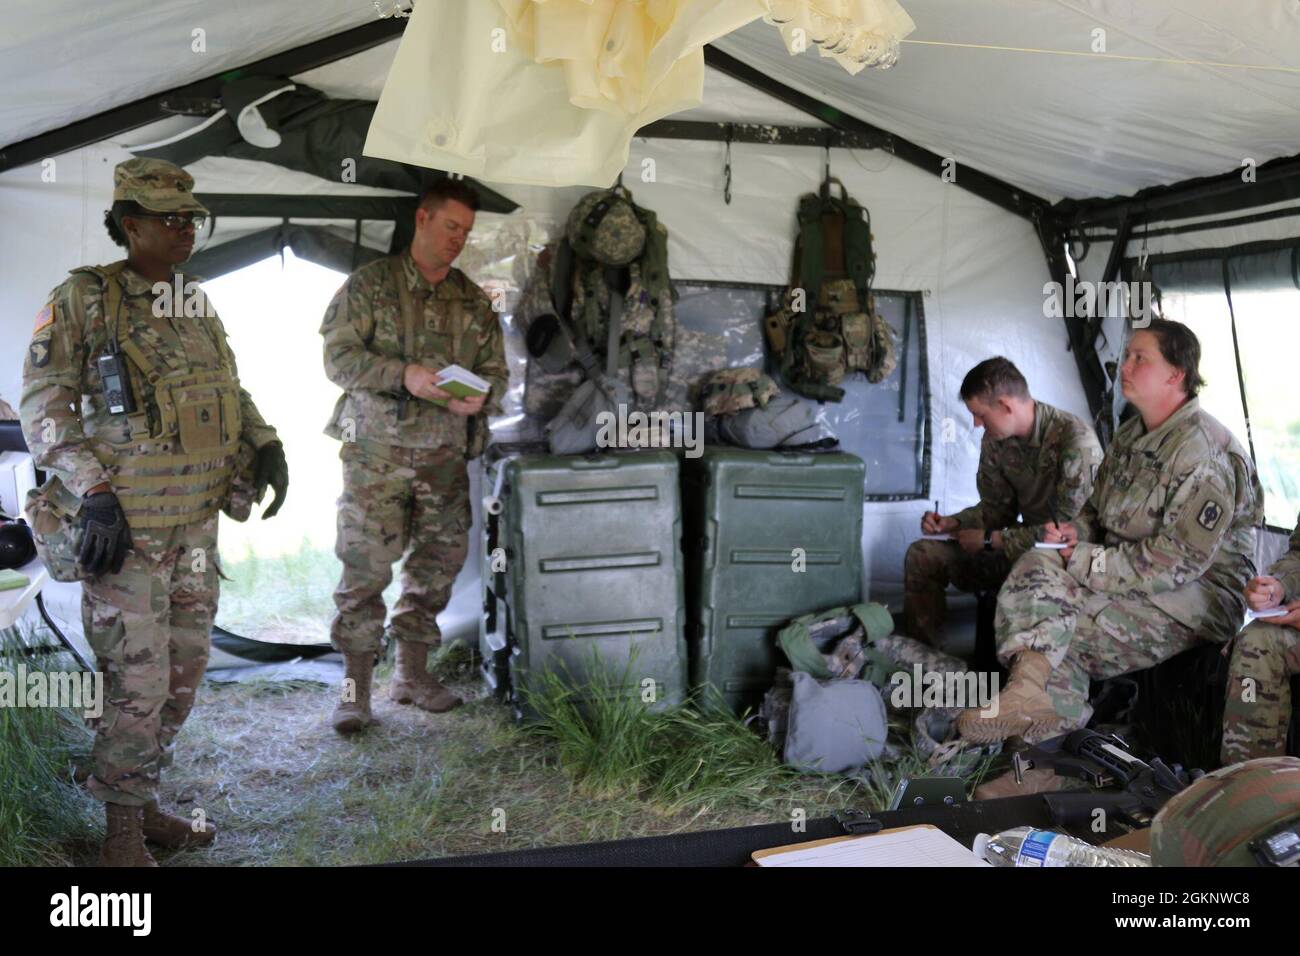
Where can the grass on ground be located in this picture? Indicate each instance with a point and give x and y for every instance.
(262, 763)
(44, 816)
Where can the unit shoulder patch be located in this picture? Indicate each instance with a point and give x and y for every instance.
(39, 352)
(1203, 521)
(1209, 515)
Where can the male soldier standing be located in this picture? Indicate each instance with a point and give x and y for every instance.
(1152, 565)
(1265, 656)
(145, 482)
(392, 327)
(1037, 464)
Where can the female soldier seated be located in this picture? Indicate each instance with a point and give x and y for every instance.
(1153, 563)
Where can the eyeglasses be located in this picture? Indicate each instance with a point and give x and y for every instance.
(175, 222)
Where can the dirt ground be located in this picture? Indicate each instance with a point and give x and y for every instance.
(261, 762)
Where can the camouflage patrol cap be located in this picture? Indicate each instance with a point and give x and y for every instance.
(155, 184)
(1213, 821)
(730, 390)
(604, 226)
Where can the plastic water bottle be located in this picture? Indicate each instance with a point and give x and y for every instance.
(1025, 846)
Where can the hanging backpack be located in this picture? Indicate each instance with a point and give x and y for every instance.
(613, 247)
(837, 331)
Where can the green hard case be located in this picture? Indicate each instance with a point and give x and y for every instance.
(746, 512)
(592, 556)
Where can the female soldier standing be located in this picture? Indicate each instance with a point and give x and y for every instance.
(131, 401)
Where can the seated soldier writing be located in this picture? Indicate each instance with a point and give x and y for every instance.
(1037, 464)
(1265, 656)
(1153, 563)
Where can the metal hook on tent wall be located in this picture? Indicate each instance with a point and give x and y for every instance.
(726, 168)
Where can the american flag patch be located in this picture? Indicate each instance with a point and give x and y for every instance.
(44, 317)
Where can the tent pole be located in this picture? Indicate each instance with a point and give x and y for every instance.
(990, 188)
(110, 123)
(1091, 373)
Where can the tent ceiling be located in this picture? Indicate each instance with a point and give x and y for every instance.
(1059, 126)
(1074, 126)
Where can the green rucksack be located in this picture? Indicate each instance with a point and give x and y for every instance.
(838, 330)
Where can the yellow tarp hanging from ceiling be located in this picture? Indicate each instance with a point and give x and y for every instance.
(550, 92)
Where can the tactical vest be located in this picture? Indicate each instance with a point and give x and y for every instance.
(178, 465)
(464, 349)
(581, 291)
(838, 330)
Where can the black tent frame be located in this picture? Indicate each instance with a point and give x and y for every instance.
(1055, 224)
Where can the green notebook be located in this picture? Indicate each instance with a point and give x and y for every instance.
(461, 382)
(10, 579)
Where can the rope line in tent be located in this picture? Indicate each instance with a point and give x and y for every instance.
(1110, 56)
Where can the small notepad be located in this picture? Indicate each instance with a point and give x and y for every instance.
(12, 580)
(1270, 612)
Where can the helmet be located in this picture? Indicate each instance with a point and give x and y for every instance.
(1213, 821)
(604, 226)
(729, 390)
(16, 544)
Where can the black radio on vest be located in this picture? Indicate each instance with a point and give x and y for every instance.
(117, 384)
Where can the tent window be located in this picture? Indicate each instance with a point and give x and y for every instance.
(1256, 287)
(883, 424)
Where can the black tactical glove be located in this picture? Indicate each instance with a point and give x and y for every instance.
(270, 468)
(105, 537)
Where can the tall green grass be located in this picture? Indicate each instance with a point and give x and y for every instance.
(41, 808)
(692, 756)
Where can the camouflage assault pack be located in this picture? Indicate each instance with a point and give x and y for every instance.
(613, 247)
(829, 326)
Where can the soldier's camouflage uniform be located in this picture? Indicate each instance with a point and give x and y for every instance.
(1256, 715)
(1022, 483)
(150, 624)
(1166, 541)
(405, 484)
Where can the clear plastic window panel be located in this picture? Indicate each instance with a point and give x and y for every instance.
(719, 324)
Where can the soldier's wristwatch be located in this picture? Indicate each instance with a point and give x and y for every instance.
(988, 539)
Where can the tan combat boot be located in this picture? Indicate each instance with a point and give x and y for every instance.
(351, 716)
(1036, 780)
(173, 832)
(413, 684)
(1023, 707)
(124, 838)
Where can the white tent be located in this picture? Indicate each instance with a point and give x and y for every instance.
(1036, 109)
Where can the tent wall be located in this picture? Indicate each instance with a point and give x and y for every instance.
(1208, 235)
(981, 271)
